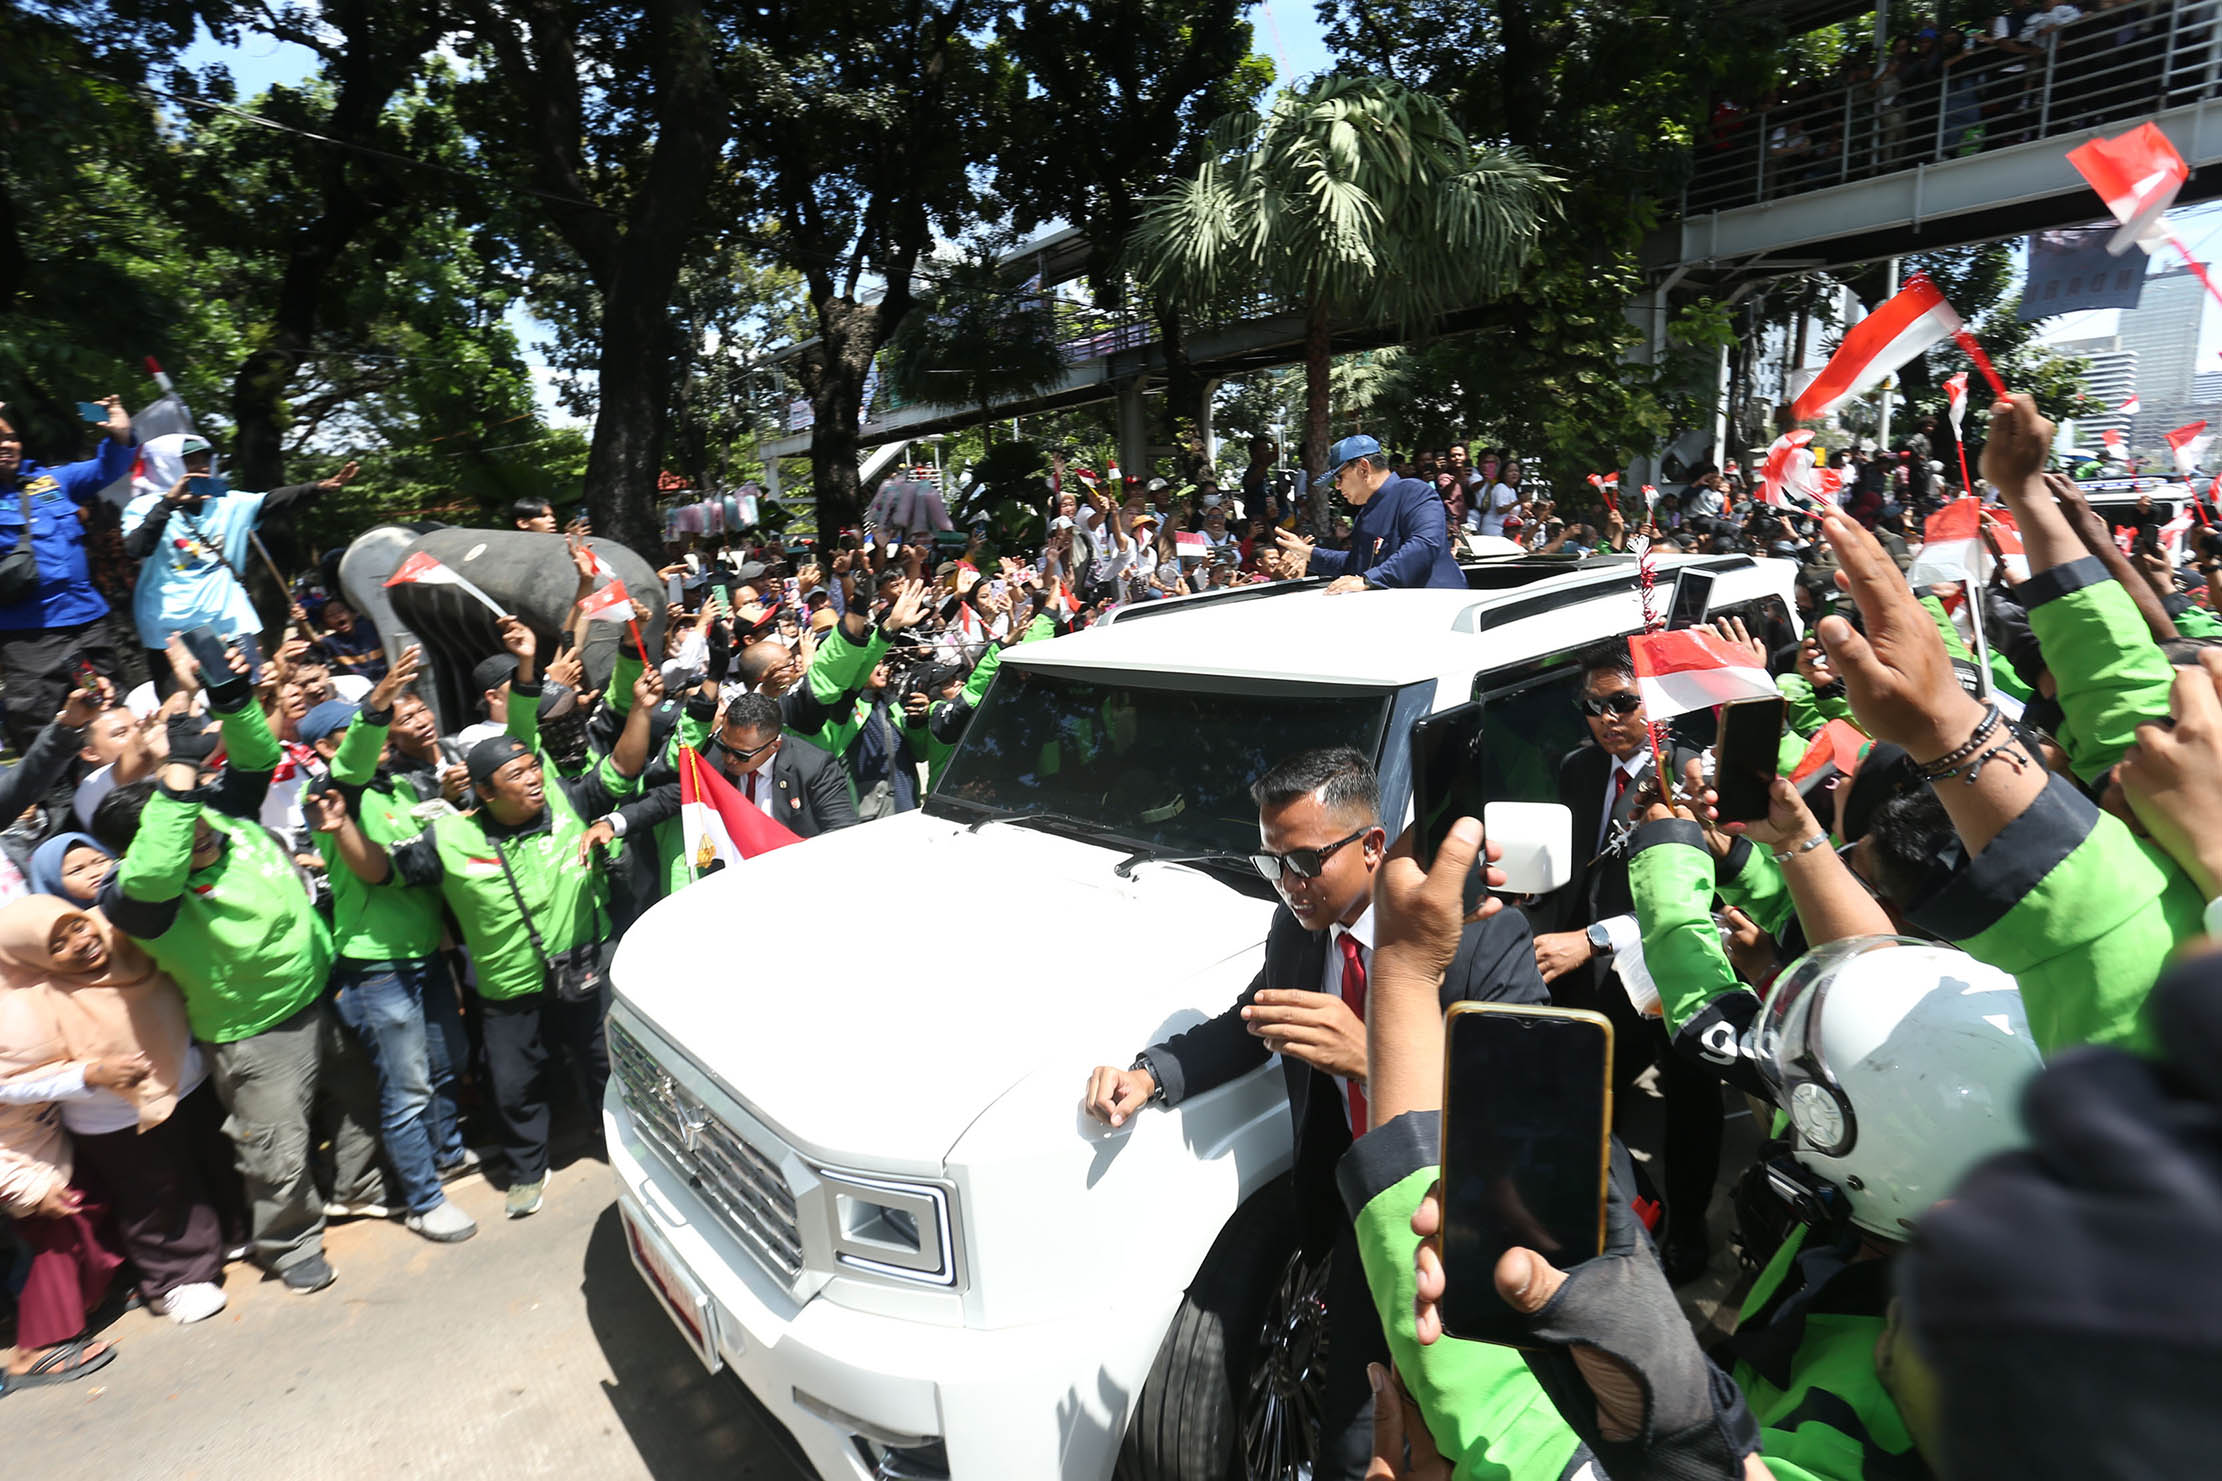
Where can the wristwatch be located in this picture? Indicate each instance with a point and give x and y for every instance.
(1157, 1081)
(1600, 939)
(616, 820)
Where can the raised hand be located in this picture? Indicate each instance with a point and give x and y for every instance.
(517, 640)
(1898, 676)
(342, 478)
(2018, 442)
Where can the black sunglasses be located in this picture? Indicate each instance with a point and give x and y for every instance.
(740, 755)
(1304, 863)
(1623, 703)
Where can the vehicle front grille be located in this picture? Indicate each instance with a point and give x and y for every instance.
(742, 1184)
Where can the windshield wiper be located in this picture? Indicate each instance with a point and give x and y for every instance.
(1049, 819)
(1126, 866)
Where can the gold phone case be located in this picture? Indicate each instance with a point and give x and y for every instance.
(1604, 1090)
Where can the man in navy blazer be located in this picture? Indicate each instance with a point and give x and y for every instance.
(1401, 537)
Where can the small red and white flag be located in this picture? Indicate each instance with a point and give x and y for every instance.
(2189, 444)
(1789, 472)
(1191, 545)
(1955, 401)
(1062, 600)
(2130, 407)
(1838, 744)
(2137, 175)
(1694, 668)
(611, 604)
(2115, 444)
(1910, 322)
(720, 827)
(1952, 546)
(422, 569)
(2172, 533)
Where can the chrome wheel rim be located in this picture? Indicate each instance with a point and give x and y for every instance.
(1288, 1377)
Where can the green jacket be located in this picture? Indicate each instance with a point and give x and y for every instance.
(568, 901)
(1810, 708)
(241, 937)
(2192, 621)
(2109, 675)
(377, 923)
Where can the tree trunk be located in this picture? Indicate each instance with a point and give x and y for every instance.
(1187, 398)
(635, 384)
(849, 335)
(1317, 352)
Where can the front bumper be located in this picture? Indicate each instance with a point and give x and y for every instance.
(1048, 1400)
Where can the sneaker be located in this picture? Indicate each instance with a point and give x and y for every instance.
(334, 1209)
(467, 1163)
(193, 1302)
(308, 1277)
(238, 1252)
(443, 1223)
(524, 1198)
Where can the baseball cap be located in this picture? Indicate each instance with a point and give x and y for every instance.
(1146, 518)
(492, 673)
(1344, 453)
(1061, 522)
(1158, 484)
(1211, 501)
(327, 719)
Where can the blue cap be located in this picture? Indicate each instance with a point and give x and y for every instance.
(327, 719)
(1346, 452)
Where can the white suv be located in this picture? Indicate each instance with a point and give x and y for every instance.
(844, 1108)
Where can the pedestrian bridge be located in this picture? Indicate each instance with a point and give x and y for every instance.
(1876, 163)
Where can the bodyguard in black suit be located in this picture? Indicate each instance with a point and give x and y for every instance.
(1594, 913)
(1318, 817)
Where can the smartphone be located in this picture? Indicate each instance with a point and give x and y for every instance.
(1693, 593)
(675, 592)
(1450, 780)
(1745, 755)
(1527, 1135)
(92, 411)
(251, 650)
(206, 645)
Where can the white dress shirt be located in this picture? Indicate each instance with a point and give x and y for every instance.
(1634, 766)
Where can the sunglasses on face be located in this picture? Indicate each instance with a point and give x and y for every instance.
(1623, 703)
(1303, 863)
(745, 757)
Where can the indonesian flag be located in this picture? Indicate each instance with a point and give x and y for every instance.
(1187, 545)
(2114, 443)
(1916, 318)
(2137, 175)
(611, 604)
(1952, 547)
(422, 569)
(1837, 744)
(1062, 600)
(1608, 488)
(1955, 402)
(1694, 668)
(1789, 470)
(2189, 444)
(720, 826)
(2172, 533)
(2130, 407)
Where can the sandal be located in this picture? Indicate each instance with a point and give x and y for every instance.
(65, 1363)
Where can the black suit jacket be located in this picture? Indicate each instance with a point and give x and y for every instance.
(1599, 887)
(1495, 963)
(812, 789)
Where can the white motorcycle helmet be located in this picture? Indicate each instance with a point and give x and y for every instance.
(1901, 1065)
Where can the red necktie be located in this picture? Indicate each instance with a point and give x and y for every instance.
(1619, 786)
(752, 786)
(1354, 994)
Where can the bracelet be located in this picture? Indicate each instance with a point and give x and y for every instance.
(1807, 847)
(1952, 760)
(2004, 751)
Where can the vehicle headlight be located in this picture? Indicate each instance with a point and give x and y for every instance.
(894, 1229)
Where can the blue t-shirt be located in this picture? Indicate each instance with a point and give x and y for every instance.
(184, 582)
(66, 596)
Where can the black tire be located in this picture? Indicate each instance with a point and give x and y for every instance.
(1237, 1379)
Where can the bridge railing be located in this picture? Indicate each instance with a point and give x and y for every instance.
(1933, 102)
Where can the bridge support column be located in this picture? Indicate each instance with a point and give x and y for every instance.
(1134, 428)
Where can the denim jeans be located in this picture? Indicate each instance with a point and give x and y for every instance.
(448, 1052)
(383, 1002)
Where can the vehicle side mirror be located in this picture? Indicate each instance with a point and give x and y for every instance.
(1538, 843)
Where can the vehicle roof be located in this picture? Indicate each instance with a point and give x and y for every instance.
(1297, 633)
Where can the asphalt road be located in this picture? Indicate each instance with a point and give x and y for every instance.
(531, 1350)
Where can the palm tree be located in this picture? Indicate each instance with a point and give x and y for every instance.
(1358, 199)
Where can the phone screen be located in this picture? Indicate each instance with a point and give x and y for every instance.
(1745, 757)
(1527, 1116)
(206, 645)
(675, 594)
(1693, 593)
(1450, 780)
(92, 411)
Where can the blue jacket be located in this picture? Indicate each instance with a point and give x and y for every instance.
(66, 595)
(1400, 538)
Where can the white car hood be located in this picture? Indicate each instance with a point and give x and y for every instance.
(870, 992)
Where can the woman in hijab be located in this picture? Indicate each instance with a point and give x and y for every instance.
(70, 1268)
(153, 1151)
(72, 867)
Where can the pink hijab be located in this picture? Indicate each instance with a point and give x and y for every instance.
(127, 1006)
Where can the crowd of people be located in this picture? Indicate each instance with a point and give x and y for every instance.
(272, 944)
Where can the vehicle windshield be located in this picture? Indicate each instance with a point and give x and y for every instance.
(1166, 769)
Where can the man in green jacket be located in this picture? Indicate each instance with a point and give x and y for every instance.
(386, 939)
(521, 875)
(218, 903)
